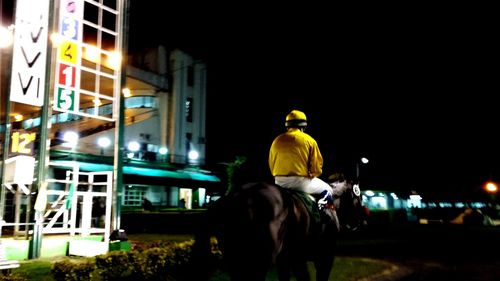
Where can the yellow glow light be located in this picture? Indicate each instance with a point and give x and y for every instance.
(97, 102)
(56, 39)
(126, 92)
(91, 53)
(6, 37)
(18, 117)
(114, 60)
(491, 187)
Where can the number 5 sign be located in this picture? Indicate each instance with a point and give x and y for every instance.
(65, 99)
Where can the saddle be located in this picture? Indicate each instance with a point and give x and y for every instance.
(318, 216)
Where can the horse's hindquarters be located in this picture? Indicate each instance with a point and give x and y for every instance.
(251, 231)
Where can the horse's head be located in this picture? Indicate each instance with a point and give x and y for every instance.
(350, 210)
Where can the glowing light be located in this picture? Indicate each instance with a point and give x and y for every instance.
(97, 102)
(193, 155)
(91, 54)
(103, 141)
(18, 117)
(6, 37)
(163, 150)
(56, 39)
(491, 187)
(114, 60)
(133, 146)
(70, 139)
(126, 92)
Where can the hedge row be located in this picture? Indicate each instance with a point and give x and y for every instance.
(161, 262)
(173, 260)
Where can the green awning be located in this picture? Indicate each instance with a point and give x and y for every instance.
(144, 171)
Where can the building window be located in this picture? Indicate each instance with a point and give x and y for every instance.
(189, 109)
(133, 196)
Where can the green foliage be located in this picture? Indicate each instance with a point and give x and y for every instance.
(171, 261)
(11, 277)
(345, 269)
(156, 263)
(141, 246)
(232, 171)
(73, 270)
(119, 265)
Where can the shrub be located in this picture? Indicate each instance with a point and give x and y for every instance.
(119, 265)
(157, 263)
(73, 270)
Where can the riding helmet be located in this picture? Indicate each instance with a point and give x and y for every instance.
(296, 119)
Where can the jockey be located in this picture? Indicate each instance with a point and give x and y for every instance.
(295, 160)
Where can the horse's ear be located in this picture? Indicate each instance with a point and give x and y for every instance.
(336, 177)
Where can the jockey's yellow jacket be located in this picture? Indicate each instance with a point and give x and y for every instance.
(295, 153)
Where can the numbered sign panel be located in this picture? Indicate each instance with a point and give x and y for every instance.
(68, 68)
(22, 142)
(88, 63)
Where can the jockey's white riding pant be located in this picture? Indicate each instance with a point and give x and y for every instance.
(308, 185)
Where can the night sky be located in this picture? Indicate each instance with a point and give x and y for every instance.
(414, 90)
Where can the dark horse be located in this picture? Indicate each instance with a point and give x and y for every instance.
(261, 225)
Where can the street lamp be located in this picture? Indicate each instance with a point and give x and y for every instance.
(363, 160)
(103, 143)
(491, 187)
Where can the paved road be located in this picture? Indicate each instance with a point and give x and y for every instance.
(430, 252)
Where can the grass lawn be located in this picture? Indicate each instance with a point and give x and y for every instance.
(345, 268)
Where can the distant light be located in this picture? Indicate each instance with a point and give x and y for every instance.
(133, 146)
(56, 39)
(415, 197)
(364, 160)
(491, 187)
(103, 141)
(369, 193)
(91, 54)
(18, 117)
(6, 37)
(114, 60)
(163, 150)
(70, 139)
(193, 155)
(126, 92)
(97, 101)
